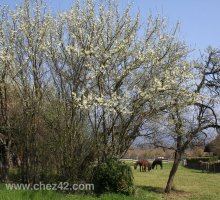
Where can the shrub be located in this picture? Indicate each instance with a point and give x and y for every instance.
(113, 176)
(213, 159)
(194, 161)
(204, 159)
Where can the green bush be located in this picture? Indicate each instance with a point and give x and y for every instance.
(204, 159)
(213, 159)
(113, 176)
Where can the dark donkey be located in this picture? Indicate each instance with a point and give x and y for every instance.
(157, 162)
(144, 164)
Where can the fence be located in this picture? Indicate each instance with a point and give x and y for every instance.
(130, 160)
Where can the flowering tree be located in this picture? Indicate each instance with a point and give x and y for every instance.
(122, 75)
(23, 34)
(189, 124)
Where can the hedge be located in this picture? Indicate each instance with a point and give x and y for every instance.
(193, 163)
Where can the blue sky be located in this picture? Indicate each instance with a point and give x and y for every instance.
(199, 19)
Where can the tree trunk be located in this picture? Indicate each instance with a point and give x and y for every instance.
(173, 171)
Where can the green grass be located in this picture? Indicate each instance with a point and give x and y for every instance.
(48, 195)
(188, 185)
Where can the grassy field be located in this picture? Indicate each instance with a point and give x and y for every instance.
(189, 185)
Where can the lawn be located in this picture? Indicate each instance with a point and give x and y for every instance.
(189, 185)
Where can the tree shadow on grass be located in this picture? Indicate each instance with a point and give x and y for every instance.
(157, 190)
(160, 190)
(201, 172)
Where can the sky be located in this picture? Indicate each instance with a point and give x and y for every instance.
(199, 19)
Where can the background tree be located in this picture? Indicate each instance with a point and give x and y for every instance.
(213, 146)
(188, 124)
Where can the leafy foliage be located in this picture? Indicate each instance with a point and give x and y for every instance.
(113, 176)
(204, 159)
